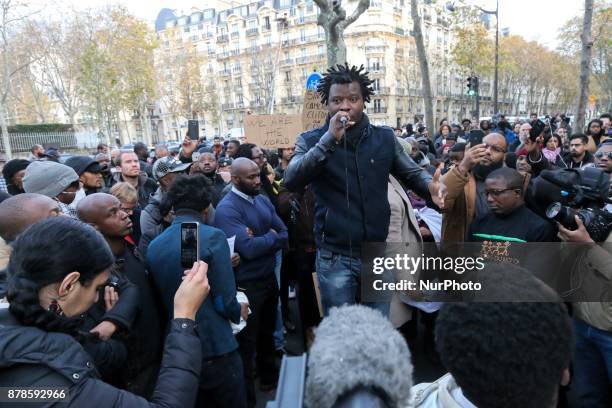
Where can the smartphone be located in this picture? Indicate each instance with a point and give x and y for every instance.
(476, 136)
(190, 248)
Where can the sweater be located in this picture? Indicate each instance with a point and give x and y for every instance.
(257, 252)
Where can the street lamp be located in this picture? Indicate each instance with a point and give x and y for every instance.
(451, 7)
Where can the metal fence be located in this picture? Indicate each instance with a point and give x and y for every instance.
(23, 142)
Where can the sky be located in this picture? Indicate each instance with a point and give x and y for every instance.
(537, 20)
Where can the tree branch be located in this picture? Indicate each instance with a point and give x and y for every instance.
(361, 8)
(323, 5)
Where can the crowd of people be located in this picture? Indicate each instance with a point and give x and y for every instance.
(97, 300)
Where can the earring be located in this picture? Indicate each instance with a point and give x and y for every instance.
(55, 308)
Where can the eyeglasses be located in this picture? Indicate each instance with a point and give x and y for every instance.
(599, 155)
(495, 148)
(497, 193)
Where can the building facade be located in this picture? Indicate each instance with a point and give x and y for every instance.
(254, 52)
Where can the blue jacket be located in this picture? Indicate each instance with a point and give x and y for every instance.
(234, 215)
(164, 264)
(341, 223)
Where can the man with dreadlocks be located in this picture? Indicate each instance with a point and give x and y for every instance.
(348, 161)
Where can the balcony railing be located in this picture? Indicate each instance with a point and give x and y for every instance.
(400, 91)
(226, 106)
(375, 49)
(251, 32)
(303, 60)
(399, 31)
(288, 61)
(222, 55)
(225, 72)
(376, 68)
(223, 38)
(236, 70)
(384, 90)
(253, 50)
(236, 34)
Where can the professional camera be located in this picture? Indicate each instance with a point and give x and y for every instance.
(597, 222)
(581, 192)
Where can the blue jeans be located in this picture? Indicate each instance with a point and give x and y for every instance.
(279, 336)
(592, 365)
(340, 281)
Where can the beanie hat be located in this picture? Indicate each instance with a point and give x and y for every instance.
(13, 167)
(48, 178)
(81, 164)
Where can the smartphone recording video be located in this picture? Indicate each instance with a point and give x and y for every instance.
(190, 249)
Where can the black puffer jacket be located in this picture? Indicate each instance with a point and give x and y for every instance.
(30, 357)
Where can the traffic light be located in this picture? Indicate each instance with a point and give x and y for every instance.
(469, 85)
(475, 84)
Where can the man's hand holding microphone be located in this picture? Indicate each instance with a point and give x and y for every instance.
(339, 123)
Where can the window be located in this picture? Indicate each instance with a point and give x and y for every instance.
(302, 35)
(288, 76)
(234, 28)
(238, 80)
(286, 55)
(267, 23)
(252, 24)
(321, 50)
(303, 52)
(377, 104)
(240, 99)
(376, 85)
(268, 39)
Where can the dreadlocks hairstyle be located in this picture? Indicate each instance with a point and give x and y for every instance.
(343, 74)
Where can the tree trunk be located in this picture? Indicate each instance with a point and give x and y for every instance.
(422, 55)
(585, 65)
(334, 21)
(5, 136)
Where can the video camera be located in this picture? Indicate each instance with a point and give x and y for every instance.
(582, 192)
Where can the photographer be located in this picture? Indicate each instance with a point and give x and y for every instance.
(592, 320)
(50, 283)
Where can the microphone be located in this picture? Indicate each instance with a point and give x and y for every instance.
(353, 345)
(344, 120)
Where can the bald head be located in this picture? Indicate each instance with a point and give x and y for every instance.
(245, 176)
(496, 138)
(242, 166)
(17, 213)
(91, 207)
(103, 211)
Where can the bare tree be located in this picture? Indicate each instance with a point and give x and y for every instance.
(422, 55)
(11, 16)
(59, 47)
(334, 21)
(585, 65)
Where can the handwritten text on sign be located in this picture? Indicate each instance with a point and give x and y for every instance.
(314, 112)
(272, 131)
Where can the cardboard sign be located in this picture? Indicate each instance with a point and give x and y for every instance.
(272, 131)
(314, 112)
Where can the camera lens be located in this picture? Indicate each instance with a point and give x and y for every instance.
(553, 210)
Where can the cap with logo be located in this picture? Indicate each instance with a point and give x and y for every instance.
(167, 165)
